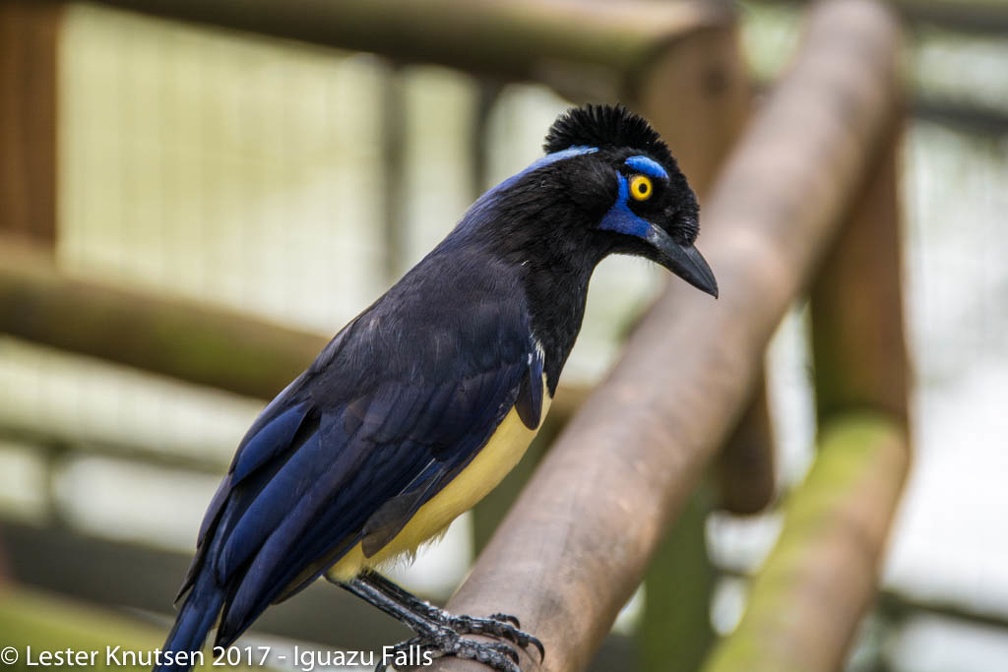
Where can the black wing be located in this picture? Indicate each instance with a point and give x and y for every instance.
(397, 404)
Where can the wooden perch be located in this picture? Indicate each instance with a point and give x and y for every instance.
(183, 339)
(579, 539)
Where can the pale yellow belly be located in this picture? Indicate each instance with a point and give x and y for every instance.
(501, 453)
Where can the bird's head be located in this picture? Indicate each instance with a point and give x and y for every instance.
(617, 171)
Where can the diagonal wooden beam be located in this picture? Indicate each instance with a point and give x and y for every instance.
(579, 539)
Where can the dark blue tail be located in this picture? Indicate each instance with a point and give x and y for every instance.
(197, 616)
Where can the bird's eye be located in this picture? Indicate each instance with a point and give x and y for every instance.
(640, 187)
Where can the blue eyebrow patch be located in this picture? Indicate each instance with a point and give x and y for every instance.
(649, 167)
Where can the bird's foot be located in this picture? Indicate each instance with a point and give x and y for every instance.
(439, 633)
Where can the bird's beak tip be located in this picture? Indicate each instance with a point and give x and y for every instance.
(707, 286)
(684, 260)
(693, 268)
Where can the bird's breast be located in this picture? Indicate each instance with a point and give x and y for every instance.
(487, 469)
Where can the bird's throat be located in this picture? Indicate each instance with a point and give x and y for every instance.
(557, 298)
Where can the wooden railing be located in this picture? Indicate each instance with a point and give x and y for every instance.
(801, 198)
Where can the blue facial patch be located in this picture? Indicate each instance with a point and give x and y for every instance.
(649, 167)
(620, 217)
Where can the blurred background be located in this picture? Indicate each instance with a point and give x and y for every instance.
(294, 183)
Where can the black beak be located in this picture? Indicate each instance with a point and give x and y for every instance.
(683, 260)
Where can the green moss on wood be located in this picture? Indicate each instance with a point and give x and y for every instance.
(807, 600)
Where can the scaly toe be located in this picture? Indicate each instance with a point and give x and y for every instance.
(501, 626)
(497, 626)
(499, 656)
(513, 620)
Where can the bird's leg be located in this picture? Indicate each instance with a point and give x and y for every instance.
(500, 626)
(440, 632)
(396, 592)
(436, 638)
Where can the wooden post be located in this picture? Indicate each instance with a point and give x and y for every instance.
(29, 39)
(696, 94)
(29, 36)
(858, 345)
(745, 467)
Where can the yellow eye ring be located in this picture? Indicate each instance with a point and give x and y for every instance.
(641, 187)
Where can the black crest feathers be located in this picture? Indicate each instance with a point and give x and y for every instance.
(605, 126)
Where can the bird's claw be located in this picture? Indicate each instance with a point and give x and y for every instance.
(513, 620)
(499, 626)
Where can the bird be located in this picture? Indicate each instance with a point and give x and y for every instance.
(422, 403)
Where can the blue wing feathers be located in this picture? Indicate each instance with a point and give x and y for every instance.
(274, 431)
(194, 620)
(274, 503)
(272, 438)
